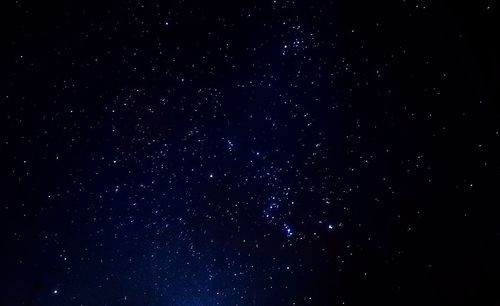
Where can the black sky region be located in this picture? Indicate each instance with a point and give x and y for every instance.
(278, 152)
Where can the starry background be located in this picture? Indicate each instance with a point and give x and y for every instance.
(275, 152)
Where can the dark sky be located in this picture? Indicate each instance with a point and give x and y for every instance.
(278, 152)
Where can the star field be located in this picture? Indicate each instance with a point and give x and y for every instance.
(278, 152)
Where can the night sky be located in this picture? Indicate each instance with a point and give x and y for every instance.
(278, 152)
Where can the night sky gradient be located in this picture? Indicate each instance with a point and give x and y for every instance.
(278, 152)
